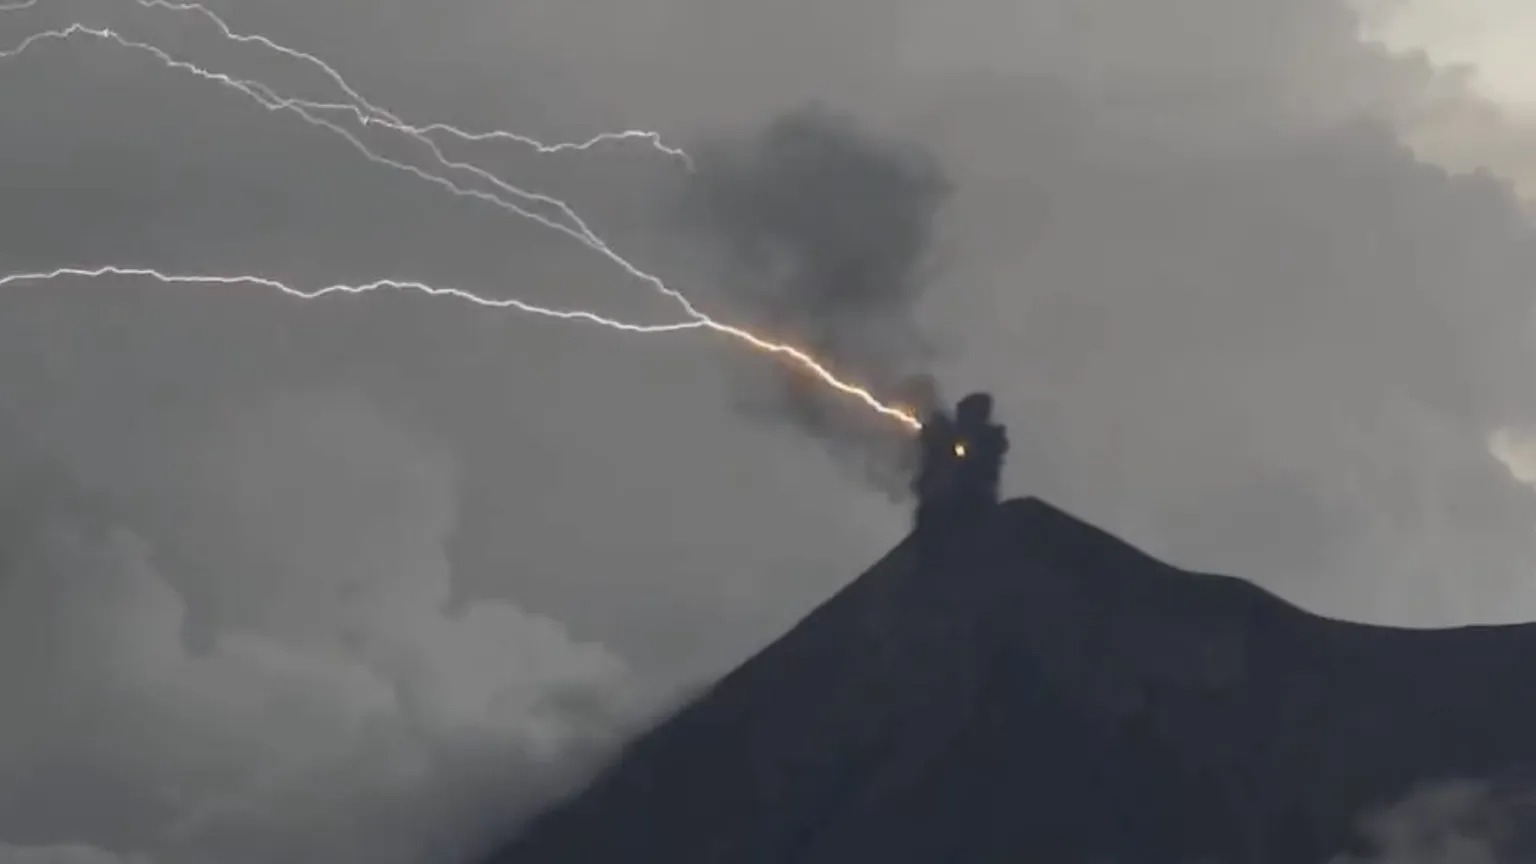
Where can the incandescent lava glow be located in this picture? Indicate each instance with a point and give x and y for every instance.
(506, 196)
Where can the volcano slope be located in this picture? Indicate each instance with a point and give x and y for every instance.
(1030, 688)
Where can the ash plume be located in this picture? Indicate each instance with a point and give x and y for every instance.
(824, 235)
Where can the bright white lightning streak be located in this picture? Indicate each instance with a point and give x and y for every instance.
(341, 288)
(376, 112)
(265, 97)
(455, 293)
(643, 134)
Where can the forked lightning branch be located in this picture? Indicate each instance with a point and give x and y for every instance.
(496, 191)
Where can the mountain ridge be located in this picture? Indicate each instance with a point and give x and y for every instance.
(1031, 686)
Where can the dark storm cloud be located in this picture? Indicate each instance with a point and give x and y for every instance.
(826, 240)
(1225, 309)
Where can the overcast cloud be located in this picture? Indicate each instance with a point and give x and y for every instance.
(284, 579)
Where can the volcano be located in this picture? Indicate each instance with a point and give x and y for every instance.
(1030, 688)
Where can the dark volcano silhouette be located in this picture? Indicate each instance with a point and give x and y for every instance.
(1035, 690)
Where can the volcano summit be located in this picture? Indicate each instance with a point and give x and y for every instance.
(1034, 689)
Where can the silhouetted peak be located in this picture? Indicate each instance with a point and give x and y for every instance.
(1030, 687)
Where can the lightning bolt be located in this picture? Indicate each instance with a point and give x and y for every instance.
(368, 114)
(264, 96)
(343, 288)
(376, 112)
(583, 315)
(373, 110)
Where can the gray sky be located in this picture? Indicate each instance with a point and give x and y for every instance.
(357, 575)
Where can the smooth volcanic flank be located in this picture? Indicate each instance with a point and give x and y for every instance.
(1038, 690)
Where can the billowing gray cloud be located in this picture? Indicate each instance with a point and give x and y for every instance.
(1226, 308)
(1462, 822)
(335, 687)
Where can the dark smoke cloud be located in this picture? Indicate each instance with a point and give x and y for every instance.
(824, 236)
